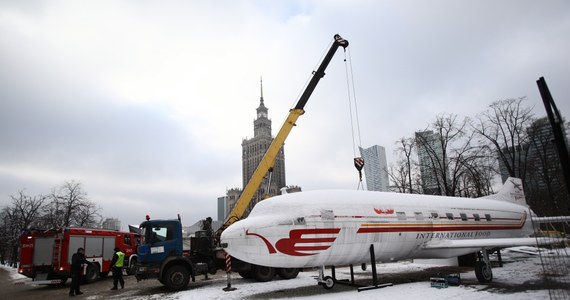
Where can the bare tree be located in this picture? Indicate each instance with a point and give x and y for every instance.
(504, 125)
(398, 174)
(21, 215)
(451, 162)
(70, 206)
(27, 209)
(406, 147)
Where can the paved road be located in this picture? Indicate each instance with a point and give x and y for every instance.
(17, 289)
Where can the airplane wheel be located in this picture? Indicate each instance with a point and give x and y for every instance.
(263, 274)
(483, 272)
(288, 273)
(246, 274)
(327, 283)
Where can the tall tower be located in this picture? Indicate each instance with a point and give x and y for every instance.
(375, 168)
(254, 149)
(430, 155)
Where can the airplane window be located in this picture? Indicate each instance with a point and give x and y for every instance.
(299, 221)
(419, 216)
(434, 215)
(449, 216)
(488, 217)
(476, 217)
(463, 217)
(401, 215)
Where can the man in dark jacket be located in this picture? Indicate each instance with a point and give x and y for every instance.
(77, 261)
(117, 263)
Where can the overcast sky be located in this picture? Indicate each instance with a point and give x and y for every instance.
(146, 103)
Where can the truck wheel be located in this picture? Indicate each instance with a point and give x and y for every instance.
(288, 273)
(263, 274)
(92, 273)
(132, 269)
(176, 278)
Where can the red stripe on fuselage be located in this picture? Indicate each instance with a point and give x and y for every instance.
(430, 227)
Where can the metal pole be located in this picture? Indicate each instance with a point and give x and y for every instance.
(557, 123)
(229, 287)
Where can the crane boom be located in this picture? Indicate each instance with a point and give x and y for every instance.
(268, 159)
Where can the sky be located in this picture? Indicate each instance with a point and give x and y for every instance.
(146, 103)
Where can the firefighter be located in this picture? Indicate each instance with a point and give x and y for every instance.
(117, 263)
(77, 261)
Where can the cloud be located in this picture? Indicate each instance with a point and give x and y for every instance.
(147, 104)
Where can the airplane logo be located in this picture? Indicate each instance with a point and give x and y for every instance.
(517, 185)
(384, 211)
(297, 245)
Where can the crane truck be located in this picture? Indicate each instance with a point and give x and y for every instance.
(161, 253)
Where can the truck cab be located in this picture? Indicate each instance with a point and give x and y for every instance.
(160, 239)
(161, 254)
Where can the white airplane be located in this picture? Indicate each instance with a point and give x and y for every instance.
(346, 227)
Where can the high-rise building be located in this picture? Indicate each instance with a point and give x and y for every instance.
(232, 195)
(375, 168)
(222, 208)
(430, 152)
(111, 224)
(538, 163)
(254, 149)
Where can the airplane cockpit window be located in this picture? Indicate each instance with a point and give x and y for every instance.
(488, 217)
(327, 214)
(449, 216)
(299, 221)
(463, 217)
(401, 215)
(285, 222)
(476, 217)
(434, 215)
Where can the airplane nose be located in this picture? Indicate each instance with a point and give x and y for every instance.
(232, 238)
(239, 244)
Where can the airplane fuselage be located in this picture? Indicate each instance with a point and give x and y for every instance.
(337, 227)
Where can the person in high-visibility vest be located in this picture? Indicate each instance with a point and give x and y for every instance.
(117, 263)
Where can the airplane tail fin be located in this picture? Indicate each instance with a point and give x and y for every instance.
(512, 191)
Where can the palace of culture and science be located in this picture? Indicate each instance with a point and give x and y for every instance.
(253, 150)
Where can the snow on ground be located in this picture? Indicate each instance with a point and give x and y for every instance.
(519, 278)
(13, 272)
(511, 281)
(521, 268)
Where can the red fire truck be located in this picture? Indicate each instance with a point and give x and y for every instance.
(45, 256)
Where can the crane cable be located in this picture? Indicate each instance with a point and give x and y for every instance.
(358, 160)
